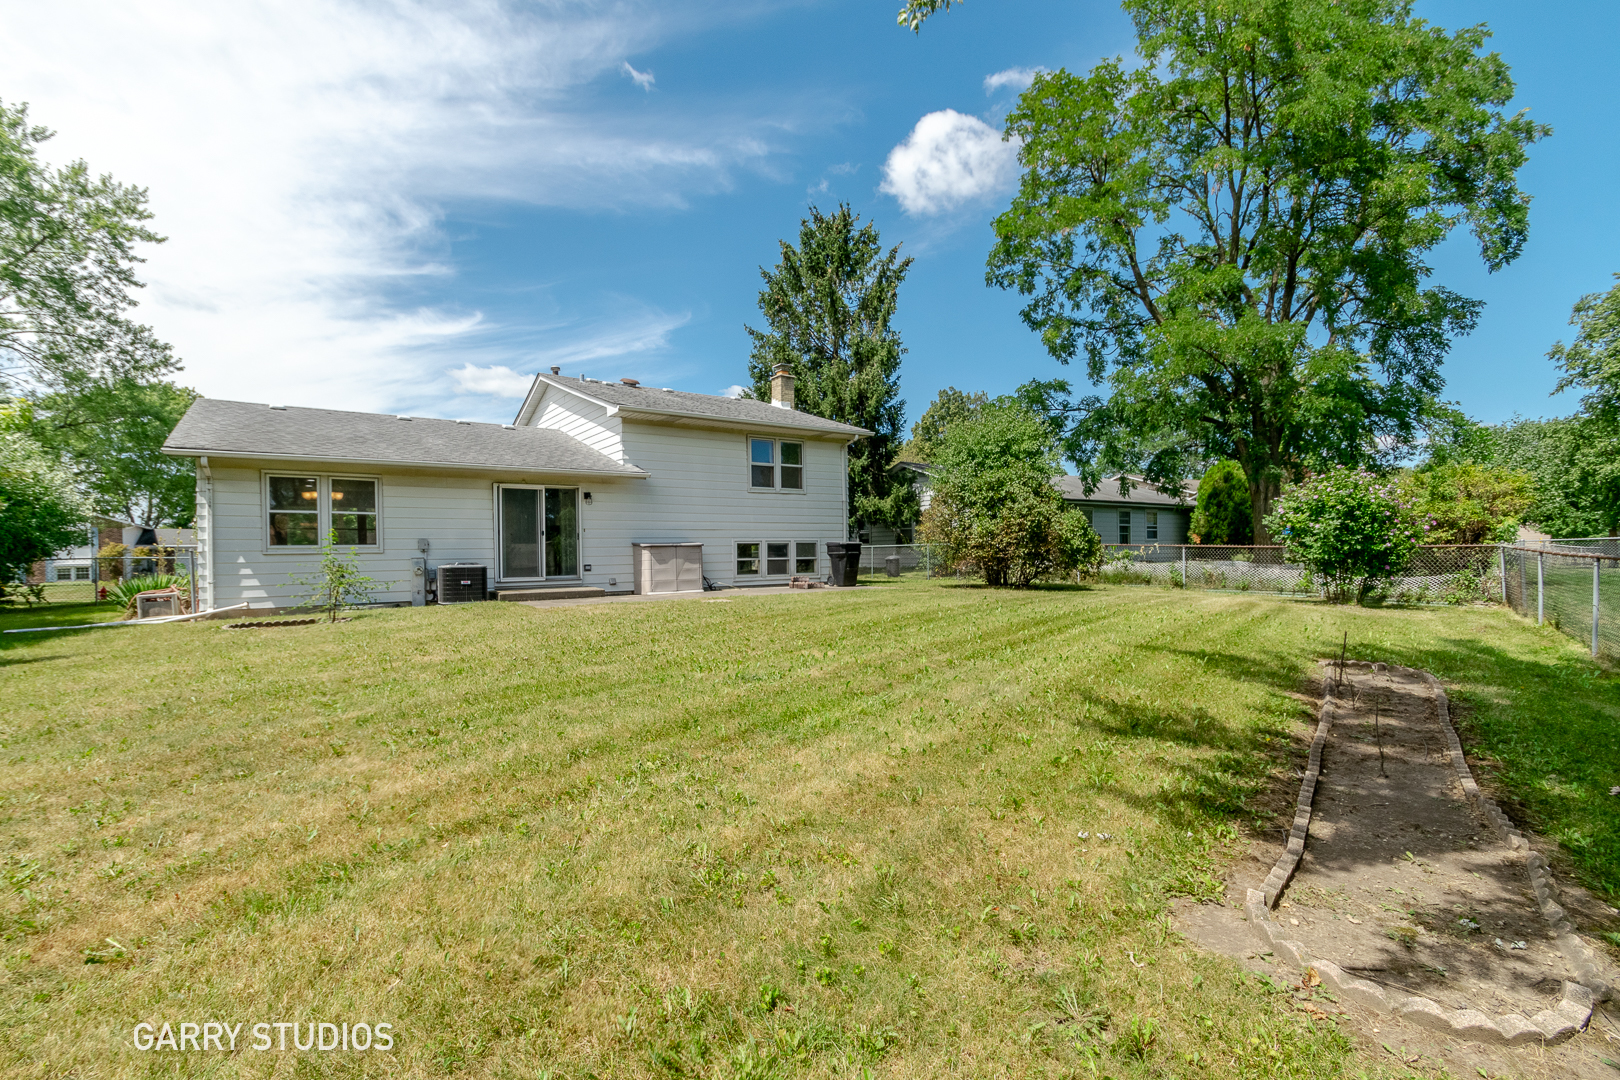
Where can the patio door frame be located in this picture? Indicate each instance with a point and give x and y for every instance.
(540, 525)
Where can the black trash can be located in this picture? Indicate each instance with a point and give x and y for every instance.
(846, 563)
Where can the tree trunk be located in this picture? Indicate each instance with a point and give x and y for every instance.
(1263, 491)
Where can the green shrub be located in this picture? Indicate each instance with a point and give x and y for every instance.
(41, 510)
(1224, 513)
(994, 509)
(1469, 504)
(123, 593)
(1351, 529)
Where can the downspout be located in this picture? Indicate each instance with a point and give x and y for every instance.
(847, 445)
(205, 552)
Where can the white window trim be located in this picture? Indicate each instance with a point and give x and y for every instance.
(764, 557)
(323, 514)
(497, 572)
(776, 467)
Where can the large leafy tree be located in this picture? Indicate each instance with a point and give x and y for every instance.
(67, 271)
(1591, 363)
(829, 305)
(949, 408)
(1232, 233)
(111, 436)
(41, 512)
(1573, 464)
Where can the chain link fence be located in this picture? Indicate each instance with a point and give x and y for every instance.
(1451, 574)
(902, 561)
(1596, 545)
(1572, 585)
(97, 578)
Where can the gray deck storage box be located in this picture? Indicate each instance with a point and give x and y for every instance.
(666, 568)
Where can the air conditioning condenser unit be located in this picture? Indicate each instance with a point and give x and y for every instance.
(462, 583)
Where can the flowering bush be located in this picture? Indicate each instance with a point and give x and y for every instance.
(1352, 529)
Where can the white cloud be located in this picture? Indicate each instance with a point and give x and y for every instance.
(948, 159)
(1019, 78)
(297, 153)
(497, 379)
(643, 79)
(735, 390)
(627, 333)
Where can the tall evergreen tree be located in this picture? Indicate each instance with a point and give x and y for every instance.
(828, 305)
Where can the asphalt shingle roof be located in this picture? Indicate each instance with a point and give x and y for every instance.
(1108, 491)
(652, 399)
(240, 428)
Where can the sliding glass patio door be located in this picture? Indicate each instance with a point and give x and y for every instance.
(539, 532)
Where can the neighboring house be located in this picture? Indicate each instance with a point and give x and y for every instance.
(75, 564)
(1145, 516)
(557, 498)
(916, 473)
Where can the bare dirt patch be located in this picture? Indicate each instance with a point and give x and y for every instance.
(1402, 883)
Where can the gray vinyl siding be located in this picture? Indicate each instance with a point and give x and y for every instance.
(1172, 523)
(698, 490)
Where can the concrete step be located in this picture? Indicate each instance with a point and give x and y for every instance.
(551, 592)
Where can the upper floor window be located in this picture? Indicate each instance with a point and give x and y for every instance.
(775, 464)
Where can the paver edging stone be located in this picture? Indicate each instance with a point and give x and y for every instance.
(1561, 1022)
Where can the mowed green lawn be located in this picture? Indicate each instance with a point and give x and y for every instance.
(802, 835)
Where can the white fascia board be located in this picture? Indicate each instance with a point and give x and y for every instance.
(629, 472)
(731, 423)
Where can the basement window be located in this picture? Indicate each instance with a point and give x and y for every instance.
(775, 558)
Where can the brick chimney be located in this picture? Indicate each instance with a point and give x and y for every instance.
(782, 386)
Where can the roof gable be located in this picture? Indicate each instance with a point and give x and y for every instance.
(654, 403)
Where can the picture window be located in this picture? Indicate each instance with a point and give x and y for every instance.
(302, 510)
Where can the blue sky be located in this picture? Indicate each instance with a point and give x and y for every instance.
(408, 207)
